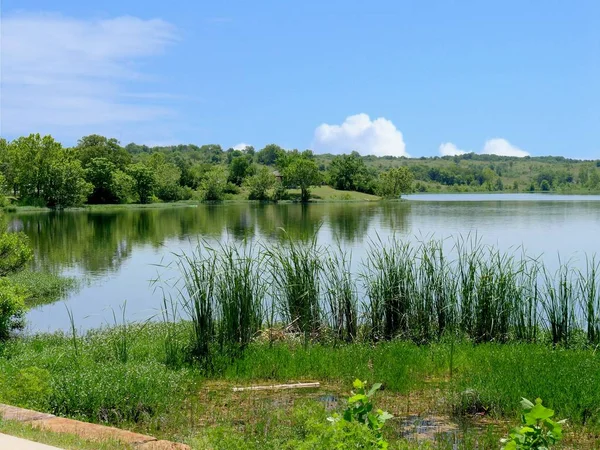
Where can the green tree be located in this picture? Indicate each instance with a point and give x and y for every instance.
(594, 179)
(100, 173)
(238, 169)
(167, 177)
(349, 173)
(583, 175)
(144, 181)
(394, 182)
(31, 158)
(66, 186)
(96, 146)
(213, 185)
(259, 184)
(123, 186)
(302, 172)
(268, 155)
(211, 153)
(7, 165)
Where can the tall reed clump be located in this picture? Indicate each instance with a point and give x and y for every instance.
(240, 291)
(589, 289)
(434, 302)
(494, 295)
(389, 278)
(415, 291)
(341, 295)
(296, 272)
(222, 293)
(558, 300)
(525, 318)
(198, 272)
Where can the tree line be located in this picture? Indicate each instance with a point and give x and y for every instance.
(37, 170)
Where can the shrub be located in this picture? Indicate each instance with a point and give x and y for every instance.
(12, 307)
(213, 185)
(259, 184)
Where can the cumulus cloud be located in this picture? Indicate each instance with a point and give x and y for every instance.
(241, 146)
(449, 149)
(378, 137)
(496, 146)
(502, 147)
(67, 76)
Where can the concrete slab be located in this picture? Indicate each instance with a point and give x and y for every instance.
(8, 412)
(90, 431)
(15, 443)
(162, 445)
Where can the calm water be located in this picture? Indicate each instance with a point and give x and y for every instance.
(117, 253)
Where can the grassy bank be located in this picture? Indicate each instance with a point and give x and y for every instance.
(456, 342)
(126, 377)
(42, 287)
(318, 194)
(60, 440)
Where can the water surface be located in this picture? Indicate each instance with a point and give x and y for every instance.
(118, 252)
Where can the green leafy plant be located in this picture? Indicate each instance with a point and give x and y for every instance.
(538, 432)
(360, 410)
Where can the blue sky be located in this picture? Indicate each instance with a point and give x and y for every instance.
(382, 77)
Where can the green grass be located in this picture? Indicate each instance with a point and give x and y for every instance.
(329, 194)
(60, 440)
(184, 403)
(43, 287)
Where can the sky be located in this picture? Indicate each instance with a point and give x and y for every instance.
(418, 78)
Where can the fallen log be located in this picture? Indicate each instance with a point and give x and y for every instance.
(275, 387)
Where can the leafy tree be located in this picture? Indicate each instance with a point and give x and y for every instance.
(144, 181)
(259, 184)
(349, 173)
(100, 173)
(303, 172)
(166, 176)
(213, 185)
(583, 176)
(31, 158)
(96, 146)
(211, 153)
(394, 182)
(594, 179)
(268, 155)
(66, 186)
(238, 169)
(123, 186)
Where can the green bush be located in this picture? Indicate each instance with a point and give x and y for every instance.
(12, 307)
(14, 252)
(213, 185)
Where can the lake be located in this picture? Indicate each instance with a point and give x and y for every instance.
(117, 252)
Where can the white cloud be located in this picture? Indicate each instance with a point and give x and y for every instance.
(378, 137)
(241, 146)
(496, 146)
(449, 149)
(69, 76)
(502, 147)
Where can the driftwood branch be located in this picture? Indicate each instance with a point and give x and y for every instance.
(276, 387)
